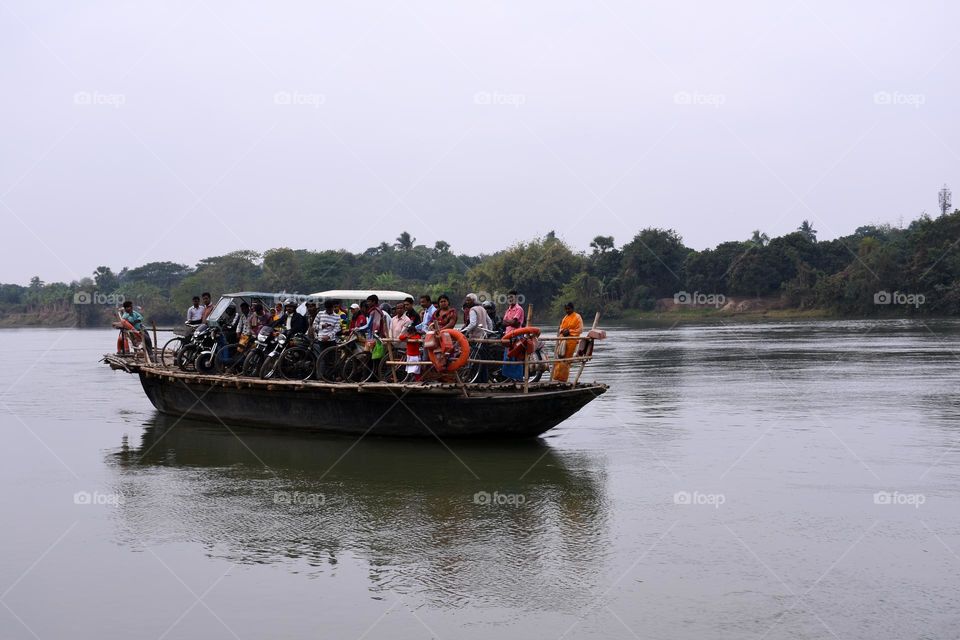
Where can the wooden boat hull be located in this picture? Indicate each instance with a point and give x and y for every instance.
(374, 409)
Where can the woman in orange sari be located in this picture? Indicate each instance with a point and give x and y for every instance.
(570, 326)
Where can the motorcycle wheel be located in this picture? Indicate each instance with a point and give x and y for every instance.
(252, 363)
(204, 362)
(186, 357)
(268, 370)
(297, 363)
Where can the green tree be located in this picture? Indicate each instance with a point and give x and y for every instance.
(106, 281)
(163, 275)
(537, 269)
(653, 259)
(602, 244)
(281, 271)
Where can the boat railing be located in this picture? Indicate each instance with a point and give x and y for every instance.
(585, 353)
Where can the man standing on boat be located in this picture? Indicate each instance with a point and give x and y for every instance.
(135, 318)
(258, 318)
(207, 307)
(477, 325)
(291, 321)
(326, 326)
(357, 317)
(344, 316)
(570, 327)
(376, 323)
(428, 312)
(195, 312)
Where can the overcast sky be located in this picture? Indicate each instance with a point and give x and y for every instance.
(134, 132)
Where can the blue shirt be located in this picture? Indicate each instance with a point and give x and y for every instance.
(134, 318)
(427, 319)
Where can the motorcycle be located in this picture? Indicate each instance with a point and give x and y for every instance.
(204, 339)
(266, 339)
(292, 358)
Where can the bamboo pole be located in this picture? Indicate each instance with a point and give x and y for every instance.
(463, 386)
(389, 363)
(526, 372)
(154, 323)
(477, 361)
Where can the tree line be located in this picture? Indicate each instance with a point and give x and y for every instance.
(842, 276)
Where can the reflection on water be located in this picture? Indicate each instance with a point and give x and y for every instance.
(482, 523)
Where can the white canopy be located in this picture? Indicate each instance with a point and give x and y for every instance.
(360, 294)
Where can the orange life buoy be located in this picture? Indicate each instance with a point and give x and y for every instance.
(521, 342)
(439, 356)
(516, 333)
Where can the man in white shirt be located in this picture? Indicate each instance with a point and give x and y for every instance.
(195, 312)
(326, 325)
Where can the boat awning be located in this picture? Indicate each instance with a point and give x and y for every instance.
(360, 294)
(263, 294)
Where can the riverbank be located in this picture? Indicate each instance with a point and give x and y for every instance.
(745, 310)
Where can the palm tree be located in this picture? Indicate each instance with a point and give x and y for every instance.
(808, 231)
(405, 241)
(759, 238)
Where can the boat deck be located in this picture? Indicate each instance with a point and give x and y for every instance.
(129, 364)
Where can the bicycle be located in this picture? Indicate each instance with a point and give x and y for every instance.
(330, 360)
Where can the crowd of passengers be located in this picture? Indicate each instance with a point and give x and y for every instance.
(371, 319)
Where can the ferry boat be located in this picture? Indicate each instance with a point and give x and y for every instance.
(442, 408)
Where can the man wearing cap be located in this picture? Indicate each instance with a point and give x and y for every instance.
(357, 318)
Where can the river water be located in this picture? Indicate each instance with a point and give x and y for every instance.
(775, 480)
